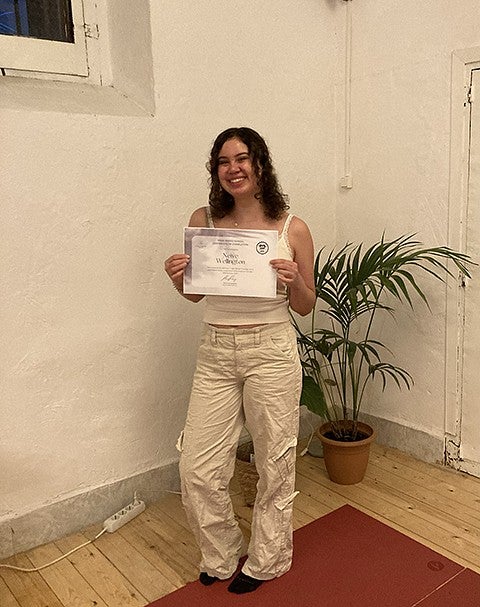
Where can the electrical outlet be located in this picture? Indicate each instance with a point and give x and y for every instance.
(124, 515)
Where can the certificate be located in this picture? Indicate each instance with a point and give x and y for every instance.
(230, 262)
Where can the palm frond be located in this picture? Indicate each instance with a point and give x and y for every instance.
(351, 284)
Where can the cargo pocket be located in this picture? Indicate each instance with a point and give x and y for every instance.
(284, 461)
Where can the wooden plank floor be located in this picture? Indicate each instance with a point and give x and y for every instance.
(155, 553)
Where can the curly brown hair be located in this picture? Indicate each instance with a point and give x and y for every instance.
(274, 201)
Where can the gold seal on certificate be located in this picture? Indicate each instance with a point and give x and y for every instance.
(230, 262)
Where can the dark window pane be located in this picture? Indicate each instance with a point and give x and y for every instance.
(46, 19)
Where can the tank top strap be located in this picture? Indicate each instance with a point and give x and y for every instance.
(208, 213)
(286, 225)
(284, 234)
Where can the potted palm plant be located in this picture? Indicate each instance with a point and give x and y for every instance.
(339, 351)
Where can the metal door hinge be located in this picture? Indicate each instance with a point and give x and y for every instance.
(92, 31)
(471, 94)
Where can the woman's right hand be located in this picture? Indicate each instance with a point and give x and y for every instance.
(174, 267)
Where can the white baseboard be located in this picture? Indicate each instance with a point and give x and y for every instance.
(71, 515)
(417, 443)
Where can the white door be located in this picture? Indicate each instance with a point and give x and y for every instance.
(470, 408)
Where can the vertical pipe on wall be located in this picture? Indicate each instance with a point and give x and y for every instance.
(346, 181)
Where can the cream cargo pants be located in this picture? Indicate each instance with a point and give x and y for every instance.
(252, 377)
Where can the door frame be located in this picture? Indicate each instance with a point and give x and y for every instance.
(463, 62)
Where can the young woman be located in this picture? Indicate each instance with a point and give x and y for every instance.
(248, 373)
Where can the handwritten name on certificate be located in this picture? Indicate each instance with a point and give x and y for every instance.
(230, 262)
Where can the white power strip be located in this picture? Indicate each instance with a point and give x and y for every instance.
(123, 516)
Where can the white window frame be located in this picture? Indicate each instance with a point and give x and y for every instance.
(50, 56)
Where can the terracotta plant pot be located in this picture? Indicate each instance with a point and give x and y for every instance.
(346, 462)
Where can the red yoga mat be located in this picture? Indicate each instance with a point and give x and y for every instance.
(349, 559)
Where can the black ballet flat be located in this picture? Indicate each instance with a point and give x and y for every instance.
(207, 580)
(243, 583)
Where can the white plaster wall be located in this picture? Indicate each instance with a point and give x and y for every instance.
(400, 143)
(98, 349)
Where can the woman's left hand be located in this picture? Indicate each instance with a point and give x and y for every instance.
(287, 271)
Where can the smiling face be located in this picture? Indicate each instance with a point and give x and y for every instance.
(235, 170)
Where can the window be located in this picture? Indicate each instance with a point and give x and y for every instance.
(43, 36)
(77, 55)
(49, 20)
